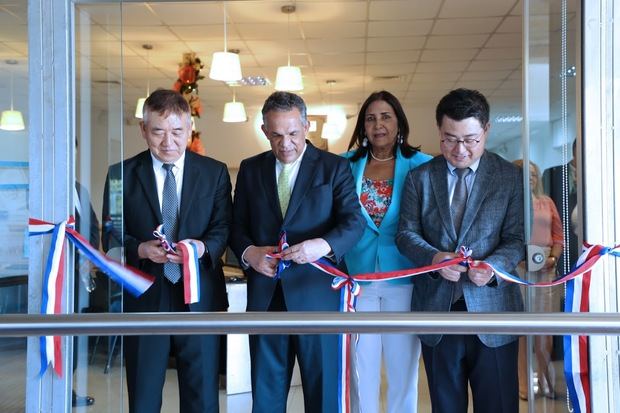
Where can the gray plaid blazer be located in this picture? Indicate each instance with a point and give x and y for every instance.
(492, 227)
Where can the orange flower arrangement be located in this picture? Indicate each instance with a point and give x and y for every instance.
(187, 85)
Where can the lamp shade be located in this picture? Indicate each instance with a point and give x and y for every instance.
(288, 78)
(225, 66)
(234, 112)
(12, 120)
(140, 108)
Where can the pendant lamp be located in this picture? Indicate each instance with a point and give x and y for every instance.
(289, 77)
(12, 120)
(225, 66)
(331, 129)
(140, 103)
(234, 111)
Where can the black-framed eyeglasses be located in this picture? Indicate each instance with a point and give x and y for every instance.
(451, 141)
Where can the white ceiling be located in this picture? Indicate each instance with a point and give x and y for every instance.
(417, 49)
(429, 47)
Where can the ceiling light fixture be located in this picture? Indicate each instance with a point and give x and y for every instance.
(12, 120)
(250, 81)
(140, 104)
(234, 111)
(289, 77)
(509, 119)
(225, 66)
(331, 129)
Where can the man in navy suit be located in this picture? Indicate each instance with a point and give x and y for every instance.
(484, 211)
(203, 215)
(309, 194)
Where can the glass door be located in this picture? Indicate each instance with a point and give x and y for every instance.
(551, 170)
(98, 365)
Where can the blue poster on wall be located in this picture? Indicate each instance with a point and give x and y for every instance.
(13, 218)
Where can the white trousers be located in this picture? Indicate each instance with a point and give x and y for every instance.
(400, 354)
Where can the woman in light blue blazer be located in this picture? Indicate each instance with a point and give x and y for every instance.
(380, 158)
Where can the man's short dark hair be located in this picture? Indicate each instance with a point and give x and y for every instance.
(461, 104)
(285, 102)
(166, 101)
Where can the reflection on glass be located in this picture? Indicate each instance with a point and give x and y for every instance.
(98, 368)
(544, 249)
(552, 126)
(14, 176)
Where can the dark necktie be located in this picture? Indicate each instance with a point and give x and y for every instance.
(459, 198)
(170, 215)
(457, 208)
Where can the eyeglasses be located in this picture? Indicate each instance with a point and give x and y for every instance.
(452, 142)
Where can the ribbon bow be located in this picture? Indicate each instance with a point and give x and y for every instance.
(133, 280)
(191, 269)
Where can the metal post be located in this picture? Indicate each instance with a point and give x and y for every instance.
(51, 137)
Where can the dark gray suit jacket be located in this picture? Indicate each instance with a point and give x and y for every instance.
(492, 227)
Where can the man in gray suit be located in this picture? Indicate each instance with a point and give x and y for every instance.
(465, 197)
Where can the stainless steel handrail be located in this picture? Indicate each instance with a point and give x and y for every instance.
(310, 323)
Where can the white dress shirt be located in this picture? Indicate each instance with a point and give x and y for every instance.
(160, 176)
(453, 178)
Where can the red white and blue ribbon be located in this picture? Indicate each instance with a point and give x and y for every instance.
(349, 289)
(576, 369)
(191, 270)
(51, 294)
(578, 281)
(576, 362)
(134, 281)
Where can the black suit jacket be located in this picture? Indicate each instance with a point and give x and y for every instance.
(205, 214)
(553, 181)
(323, 204)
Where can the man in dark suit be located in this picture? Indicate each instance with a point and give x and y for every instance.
(470, 197)
(560, 183)
(198, 189)
(309, 194)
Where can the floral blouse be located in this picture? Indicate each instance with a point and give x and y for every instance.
(376, 197)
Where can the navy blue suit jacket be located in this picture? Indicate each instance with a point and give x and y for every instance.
(323, 204)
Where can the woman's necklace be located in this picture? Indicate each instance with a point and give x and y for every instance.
(380, 159)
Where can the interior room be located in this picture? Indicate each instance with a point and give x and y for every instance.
(416, 49)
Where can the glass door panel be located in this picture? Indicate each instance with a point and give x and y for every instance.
(98, 366)
(550, 136)
(14, 195)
